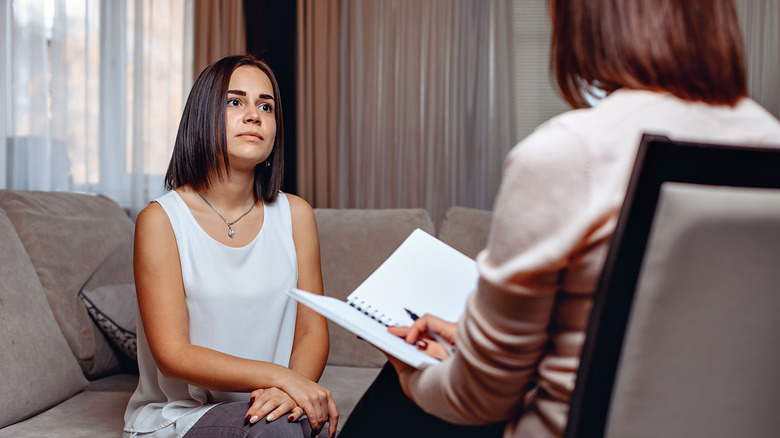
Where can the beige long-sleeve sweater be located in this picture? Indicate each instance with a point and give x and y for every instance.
(520, 339)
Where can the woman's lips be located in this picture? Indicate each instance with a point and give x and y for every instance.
(252, 136)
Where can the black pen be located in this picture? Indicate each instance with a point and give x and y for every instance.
(434, 335)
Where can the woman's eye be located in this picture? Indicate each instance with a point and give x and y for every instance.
(233, 102)
(265, 107)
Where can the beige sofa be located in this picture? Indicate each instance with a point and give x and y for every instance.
(69, 371)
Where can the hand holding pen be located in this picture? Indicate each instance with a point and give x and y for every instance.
(431, 327)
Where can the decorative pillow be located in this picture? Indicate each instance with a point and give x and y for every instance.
(37, 369)
(113, 308)
(67, 237)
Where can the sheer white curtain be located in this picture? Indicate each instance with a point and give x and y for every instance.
(92, 94)
(425, 115)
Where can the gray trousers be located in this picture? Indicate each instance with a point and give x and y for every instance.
(227, 420)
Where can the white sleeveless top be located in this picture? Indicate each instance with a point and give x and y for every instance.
(230, 293)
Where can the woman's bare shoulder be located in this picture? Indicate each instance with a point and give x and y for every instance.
(152, 215)
(300, 210)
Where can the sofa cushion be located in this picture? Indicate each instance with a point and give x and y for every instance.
(89, 414)
(122, 382)
(68, 236)
(38, 369)
(353, 243)
(113, 309)
(466, 229)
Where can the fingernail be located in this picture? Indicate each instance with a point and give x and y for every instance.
(290, 417)
(251, 400)
(270, 417)
(422, 345)
(246, 420)
(254, 419)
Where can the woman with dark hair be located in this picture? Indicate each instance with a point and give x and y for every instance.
(670, 67)
(222, 349)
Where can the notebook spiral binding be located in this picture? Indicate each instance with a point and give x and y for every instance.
(372, 313)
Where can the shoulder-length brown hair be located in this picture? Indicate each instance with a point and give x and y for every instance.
(201, 145)
(689, 48)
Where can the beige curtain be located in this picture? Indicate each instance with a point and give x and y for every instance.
(419, 95)
(317, 101)
(760, 20)
(219, 31)
(426, 112)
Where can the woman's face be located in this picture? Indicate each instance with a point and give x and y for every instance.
(250, 122)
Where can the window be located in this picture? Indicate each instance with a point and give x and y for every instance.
(94, 92)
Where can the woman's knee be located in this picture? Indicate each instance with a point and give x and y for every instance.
(228, 420)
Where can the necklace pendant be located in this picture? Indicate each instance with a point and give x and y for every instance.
(230, 229)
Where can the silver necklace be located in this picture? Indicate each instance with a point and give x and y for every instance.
(229, 224)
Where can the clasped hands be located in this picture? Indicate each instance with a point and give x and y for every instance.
(316, 401)
(273, 403)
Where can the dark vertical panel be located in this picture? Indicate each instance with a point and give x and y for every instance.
(270, 36)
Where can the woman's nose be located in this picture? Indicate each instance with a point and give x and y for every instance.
(252, 115)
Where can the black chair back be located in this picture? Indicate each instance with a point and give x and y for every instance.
(703, 177)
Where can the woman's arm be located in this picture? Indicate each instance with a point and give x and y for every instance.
(541, 216)
(311, 343)
(163, 313)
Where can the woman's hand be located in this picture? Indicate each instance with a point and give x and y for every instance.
(404, 372)
(316, 401)
(272, 403)
(419, 334)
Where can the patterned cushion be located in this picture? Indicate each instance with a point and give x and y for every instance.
(113, 308)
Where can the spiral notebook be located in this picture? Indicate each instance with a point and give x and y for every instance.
(424, 275)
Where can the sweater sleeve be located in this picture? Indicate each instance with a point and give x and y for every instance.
(540, 218)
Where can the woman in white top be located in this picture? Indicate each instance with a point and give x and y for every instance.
(222, 348)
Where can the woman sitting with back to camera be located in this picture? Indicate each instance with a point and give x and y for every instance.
(222, 349)
(669, 67)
